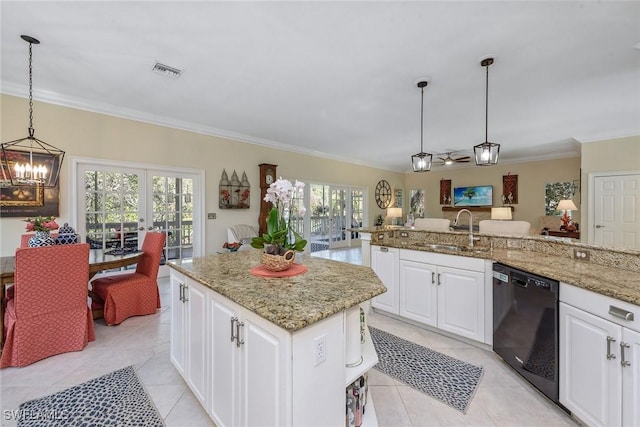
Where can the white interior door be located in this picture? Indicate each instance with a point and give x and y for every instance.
(616, 211)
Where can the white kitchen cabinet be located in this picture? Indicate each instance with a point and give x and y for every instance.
(188, 333)
(461, 302)
(418, 298)
(599, 358)
(251, 366)
(384, 262)
(443, 291)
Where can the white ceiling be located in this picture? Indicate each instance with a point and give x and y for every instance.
(338, 79)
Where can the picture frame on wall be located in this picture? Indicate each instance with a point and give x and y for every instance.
(27, 201)
(397, 197)
(445, 192)
(509, 189)
(416, 206)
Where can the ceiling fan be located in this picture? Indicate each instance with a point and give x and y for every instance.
(449, 160)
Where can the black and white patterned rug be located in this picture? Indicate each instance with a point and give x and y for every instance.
(442, 377)
(115, 399)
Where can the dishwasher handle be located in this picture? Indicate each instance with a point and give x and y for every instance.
(518, 282)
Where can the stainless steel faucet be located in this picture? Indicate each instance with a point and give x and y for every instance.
(455, 222)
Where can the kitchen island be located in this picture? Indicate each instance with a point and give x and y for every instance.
(269, 351)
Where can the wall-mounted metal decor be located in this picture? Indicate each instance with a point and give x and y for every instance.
(509, 189)
(234, 192)
(445, 192)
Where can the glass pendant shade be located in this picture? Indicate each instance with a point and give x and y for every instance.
(30, 161)
(486, 154)
(421, 162)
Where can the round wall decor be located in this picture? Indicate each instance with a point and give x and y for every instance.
(383, 194)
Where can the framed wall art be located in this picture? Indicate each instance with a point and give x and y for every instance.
(25, 201)
(445, 192)
(234, 193)
(416, 206)
(397, 196)
(509, 189)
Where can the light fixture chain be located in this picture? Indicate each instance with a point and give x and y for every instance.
(31, 130)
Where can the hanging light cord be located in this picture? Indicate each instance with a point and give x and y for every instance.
(31, 130)
(486, 108)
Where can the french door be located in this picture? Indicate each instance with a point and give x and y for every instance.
(118, 204)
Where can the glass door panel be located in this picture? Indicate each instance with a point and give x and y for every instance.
(110, 206)
(338, 214)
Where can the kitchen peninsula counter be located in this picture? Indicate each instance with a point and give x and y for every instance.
(611, 272)
(291, 303)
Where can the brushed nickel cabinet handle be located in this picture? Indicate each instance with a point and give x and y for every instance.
(234, 319)
(439, 281)
(623, 362)
(609, 354)
(621, 313)
(433, 277)
(239, 341)
(383, 249)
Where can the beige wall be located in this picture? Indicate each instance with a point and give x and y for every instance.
(91, 135)
(532, 177)
(613, 155)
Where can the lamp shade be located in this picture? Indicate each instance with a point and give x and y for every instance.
(501, 213)
(394, 212)
(567, 205)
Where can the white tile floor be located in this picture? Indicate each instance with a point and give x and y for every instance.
(502, 399)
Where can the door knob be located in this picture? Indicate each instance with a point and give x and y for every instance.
(149, 228)
(140, 228)
(599, 226)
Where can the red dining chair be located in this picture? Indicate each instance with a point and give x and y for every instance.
(131, 294)
(48, 313)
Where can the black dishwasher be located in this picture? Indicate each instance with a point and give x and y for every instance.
(525, 325)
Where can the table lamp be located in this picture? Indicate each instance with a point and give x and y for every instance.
(394, 213)
(501, 213)
(566, 205)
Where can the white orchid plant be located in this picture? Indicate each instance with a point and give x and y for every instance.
(285, 198)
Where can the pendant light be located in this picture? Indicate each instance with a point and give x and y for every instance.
(30, 161)
(421, 162)
(486, 154)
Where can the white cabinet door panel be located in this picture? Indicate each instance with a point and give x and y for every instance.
(590, 383)
(178, 312)
(461, 302)
(196, 296)
(384, 262)
(631, 379)
(418, 292)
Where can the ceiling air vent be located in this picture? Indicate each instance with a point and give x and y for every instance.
(166, 70)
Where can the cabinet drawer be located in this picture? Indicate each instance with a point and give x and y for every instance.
(454, 261)
(600, 305)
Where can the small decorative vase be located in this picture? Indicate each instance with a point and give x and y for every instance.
(41, 238)
(277, 262)
(66, 235)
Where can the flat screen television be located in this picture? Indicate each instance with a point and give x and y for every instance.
(478, 195)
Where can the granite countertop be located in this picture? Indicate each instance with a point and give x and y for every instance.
(292, 303)
(616, 282)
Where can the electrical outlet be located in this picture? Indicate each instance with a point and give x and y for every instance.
(211, 215)
(581, 254)
(514, 244)
(320, 348)
(404, 234)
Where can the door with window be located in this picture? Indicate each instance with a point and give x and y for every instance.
(117, 205)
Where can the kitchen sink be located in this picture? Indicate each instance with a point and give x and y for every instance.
(475, 249)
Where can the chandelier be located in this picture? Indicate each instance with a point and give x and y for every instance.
(30, 161)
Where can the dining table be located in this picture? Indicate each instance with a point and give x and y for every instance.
(99, 260)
